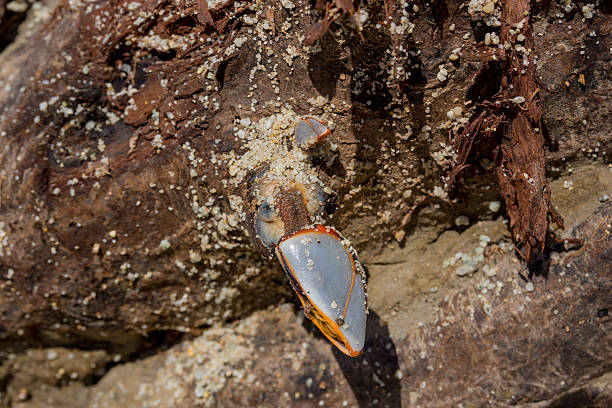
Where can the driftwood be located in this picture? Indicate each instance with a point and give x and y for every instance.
(122, 218)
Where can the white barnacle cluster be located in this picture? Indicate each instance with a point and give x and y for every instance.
(399, 66)
(442, 74)
(358, 266)
(588, 11)
(404, 26)
(164, 44)
(519, 39)
(196, 372)
(568, 6)
(214, 224)
(485, 11)
(466, 263)
(267, 143)
(445, 155)
(491, 38)
(5, 247)
(211, 364)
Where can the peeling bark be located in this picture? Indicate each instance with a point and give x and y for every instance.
(512, 117)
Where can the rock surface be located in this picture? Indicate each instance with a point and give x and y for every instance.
(498, 343)
(123, 254)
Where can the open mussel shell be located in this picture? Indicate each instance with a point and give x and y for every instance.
(269, 227)
(262, 221)
(310, 131)
(329, 283)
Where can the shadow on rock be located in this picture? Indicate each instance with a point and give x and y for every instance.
(540, 264)
(325, 66)
(372, 375)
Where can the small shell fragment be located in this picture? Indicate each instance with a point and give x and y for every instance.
(310, 131)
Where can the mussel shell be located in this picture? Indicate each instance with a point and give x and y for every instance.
(329, 283)
(269, 227)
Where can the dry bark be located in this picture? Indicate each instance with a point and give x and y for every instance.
(509, 112)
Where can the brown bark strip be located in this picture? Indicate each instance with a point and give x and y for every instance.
(204, 15)
(519, 155)
(334, 9)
